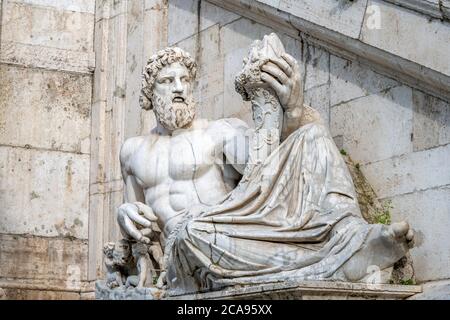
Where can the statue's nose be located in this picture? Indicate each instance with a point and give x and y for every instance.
(178, 86)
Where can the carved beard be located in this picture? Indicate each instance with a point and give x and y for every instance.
(173, 115)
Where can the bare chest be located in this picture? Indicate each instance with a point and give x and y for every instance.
(186, 156)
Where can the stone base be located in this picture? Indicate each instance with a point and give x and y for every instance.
(292, 290)
(102, 292)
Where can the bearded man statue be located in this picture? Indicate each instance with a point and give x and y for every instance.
(227, 204)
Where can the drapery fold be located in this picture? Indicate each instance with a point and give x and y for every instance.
(294, 215)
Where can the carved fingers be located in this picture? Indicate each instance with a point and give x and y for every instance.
(273, 68)
(283, 76)
(135, 221)
(146, 211)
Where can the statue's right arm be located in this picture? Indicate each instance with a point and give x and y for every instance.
(134, 211)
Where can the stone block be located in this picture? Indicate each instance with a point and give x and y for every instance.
(350, 80)
(410, 172)
(272, 3)
(188, 17)
(431, 121)
(49, 27)
(211, 14)
(183, 19)
(375, 127)
(428, 213)
(110, 9)
(409, 35)
(436, 290)
(26, 294)
(87, 6)
(319, 99)
(34, 56)
(45, 109)
(52, 263)
(208, 88)
(44, 193)
(317, 63)
(344, 17)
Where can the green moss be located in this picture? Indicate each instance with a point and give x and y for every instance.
(343, 152)
(384, 215)
(407, 282)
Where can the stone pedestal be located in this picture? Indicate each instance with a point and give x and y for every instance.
(102, 292)
(289, 290)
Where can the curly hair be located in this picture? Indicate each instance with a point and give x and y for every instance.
(158, 61)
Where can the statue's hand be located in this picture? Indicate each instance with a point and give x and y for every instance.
(283, 76)
(136, 221)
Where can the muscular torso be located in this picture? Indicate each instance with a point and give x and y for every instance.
(180, 171)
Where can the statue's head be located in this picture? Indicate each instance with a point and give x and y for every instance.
(167, 87)
(122, 253)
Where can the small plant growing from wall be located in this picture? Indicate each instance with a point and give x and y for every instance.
(383, 216)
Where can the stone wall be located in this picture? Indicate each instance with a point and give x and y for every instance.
(397, 134)
(46, 66)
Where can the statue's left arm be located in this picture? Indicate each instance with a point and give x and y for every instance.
(231, 136)
(283, 76)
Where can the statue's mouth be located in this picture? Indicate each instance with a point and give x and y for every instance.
(178, 99)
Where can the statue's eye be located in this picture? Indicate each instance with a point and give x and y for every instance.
(167, 81)
(184, 79)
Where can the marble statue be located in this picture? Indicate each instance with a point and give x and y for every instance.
(218, 203)
(127, 264)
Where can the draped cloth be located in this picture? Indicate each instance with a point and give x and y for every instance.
(294, 215)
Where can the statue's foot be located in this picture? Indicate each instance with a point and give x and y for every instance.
(402, 232)
(384, 246)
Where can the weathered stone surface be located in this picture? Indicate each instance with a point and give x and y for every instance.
(44, 192)
(46, 289)
(211, 14)
(319, 99)
(344, 17)
(87, 6)
(432, 8)
(350, 80)
(188, 17)
(317, 62)
(53, 263)
(428, 213)
(35, 56)
(431, 121)
(45, 26)
(369, 124)
(102, 292)
(306, 290)
(273, 3)
(40, 294)
(53, 112)
(403, 32)
(410, 172)
(439, 290)
(209, 83)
